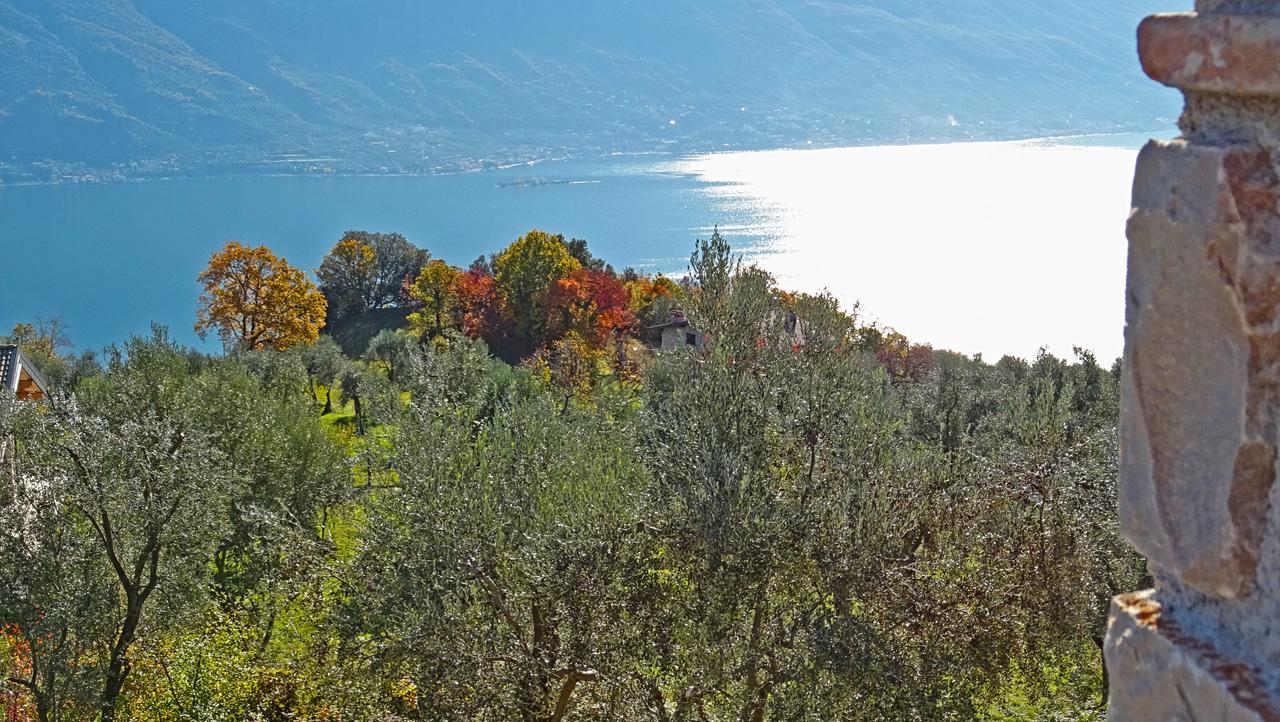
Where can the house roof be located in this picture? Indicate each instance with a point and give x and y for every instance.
(678, 320)
(13, 364)
(8, 364)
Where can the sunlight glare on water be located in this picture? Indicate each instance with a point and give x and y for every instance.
(991, 248)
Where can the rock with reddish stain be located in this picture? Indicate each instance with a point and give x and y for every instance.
(1200, 419)
(1168, 674)
(1201, 375)
(1234, 54)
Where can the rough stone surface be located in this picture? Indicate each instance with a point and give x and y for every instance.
(1239, 7)
(1200, 368)
(1169, 675)
(1200, 421)
(1212, 53)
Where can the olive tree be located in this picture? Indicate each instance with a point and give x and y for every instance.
(324, 363)
(130, 497)
(490, 574)
(774, 482)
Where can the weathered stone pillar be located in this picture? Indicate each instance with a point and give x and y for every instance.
(1199, 428)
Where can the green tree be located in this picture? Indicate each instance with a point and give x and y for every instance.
(491, 574)
(362, 386)
(348, 277)
(56, 594)
(577, 248)
(133, 478)
(397, 264)
(525, 272)
(712, 269)
(291, 475)
(324, 363)
(392, 349)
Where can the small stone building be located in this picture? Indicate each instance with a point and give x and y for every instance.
(19, 376)
(676, 333)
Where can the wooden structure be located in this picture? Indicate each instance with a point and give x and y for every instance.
(19, 376)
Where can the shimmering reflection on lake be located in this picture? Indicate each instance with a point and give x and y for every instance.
(985, 247)
(992, 248)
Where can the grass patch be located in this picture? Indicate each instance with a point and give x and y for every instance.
(343, 414)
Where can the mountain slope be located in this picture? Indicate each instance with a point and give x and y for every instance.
(414, 85)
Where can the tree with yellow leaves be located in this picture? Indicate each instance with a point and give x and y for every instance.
(256, 300)
(434, 288)
(349, 276)
(526, 271)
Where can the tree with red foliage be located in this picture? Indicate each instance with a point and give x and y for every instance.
(592, 303)
(15, 667)
(903, 360)
(479, 305)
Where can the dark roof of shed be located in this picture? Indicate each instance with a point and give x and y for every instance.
(12, 361)
(677, 320)
(8, 364)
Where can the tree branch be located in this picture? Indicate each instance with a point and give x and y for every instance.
(572, 678)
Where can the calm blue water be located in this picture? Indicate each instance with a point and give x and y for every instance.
(111, 259)
(991, 248)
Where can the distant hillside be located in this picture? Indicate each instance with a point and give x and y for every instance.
(163, 86)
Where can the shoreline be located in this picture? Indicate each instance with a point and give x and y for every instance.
(499, 166)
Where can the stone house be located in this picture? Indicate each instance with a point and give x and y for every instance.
(680, 333)
(677, 333)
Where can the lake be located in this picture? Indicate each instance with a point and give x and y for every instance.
(992, 248)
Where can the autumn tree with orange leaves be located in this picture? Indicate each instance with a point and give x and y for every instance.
(480, 308)
(903, 360)
(652, 298)
(256, 300)
(592, 303)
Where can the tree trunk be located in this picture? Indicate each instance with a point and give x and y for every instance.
(753, 706)
(118, 669)
(658, 700)
(266, 636)
(566, 692)
(1106, 677)
(328, 402)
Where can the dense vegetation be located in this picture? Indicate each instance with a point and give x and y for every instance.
(806, 518)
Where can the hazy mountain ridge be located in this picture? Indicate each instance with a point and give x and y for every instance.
(169, 86)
